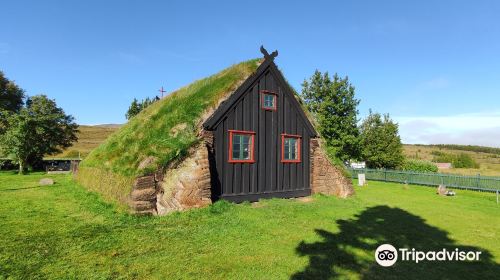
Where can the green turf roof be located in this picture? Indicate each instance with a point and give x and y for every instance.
(166, 129)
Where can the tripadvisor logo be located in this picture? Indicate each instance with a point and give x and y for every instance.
(387, 255)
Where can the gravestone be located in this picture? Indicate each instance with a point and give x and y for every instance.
(361, 180)
(441, 190)
(46, 182)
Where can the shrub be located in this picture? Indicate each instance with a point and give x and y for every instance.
(464, 160)
(461, 160)
(437, 153)
(443, 157)
(419, 166)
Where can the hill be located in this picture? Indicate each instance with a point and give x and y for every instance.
(89, 138)
(487, 157)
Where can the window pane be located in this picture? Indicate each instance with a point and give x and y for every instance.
(287, 148)
(246, 139)
(246, 147)
(236, 154)
(236, 146)
(241, 146)
(293, 148)
(290, 149)
(268, 100)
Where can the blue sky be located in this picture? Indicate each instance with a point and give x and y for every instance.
(434, 66)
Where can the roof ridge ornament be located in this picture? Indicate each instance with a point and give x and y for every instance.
(267, 55)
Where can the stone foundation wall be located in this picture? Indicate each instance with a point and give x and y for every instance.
(188, 184)
(182, 186)
(143, 195)
(325, 177)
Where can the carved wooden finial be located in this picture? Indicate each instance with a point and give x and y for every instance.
(267, 55)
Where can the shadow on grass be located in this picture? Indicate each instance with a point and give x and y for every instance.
(19, 189)
(345, 253)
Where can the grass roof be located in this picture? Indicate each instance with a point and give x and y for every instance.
(168, 128)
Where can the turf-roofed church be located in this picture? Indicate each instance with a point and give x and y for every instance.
(249, 138)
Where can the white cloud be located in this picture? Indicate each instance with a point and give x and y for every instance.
(468, 129)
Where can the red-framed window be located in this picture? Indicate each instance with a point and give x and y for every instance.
(290, 148)
(241, 146)
(268, 100)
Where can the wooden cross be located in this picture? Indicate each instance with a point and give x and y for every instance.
(162, 91)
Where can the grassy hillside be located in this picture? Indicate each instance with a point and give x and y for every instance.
(167, 128)
(65, 232)
(89, 138)
(162, 132)
(489, 162)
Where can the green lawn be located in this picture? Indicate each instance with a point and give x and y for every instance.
(62, 231)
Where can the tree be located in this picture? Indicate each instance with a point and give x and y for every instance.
(380, 142)
(332, 102)
(11, 100)
(136, 107)
(40, 128)
(133, 109)
(11, 96)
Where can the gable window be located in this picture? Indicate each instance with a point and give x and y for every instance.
(290, 148)
(241, 146)
(268, 100)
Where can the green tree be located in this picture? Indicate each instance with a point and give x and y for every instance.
(136, 107)
(40, 128)
(380, 142)
(133, 109)
(11, 100)
(334, 106)
(11, 96)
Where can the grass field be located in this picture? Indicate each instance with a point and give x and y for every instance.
(489, 163)
(62, 231)
(89, 137)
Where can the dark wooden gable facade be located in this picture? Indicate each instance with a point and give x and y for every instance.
(264, 116)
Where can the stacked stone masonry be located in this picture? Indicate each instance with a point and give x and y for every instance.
(188, 185)
(143, 195)
(325, 177)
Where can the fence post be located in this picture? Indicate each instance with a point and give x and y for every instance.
(385, 174)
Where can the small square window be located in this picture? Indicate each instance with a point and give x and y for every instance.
(241, 146)
(268, 100)
(290, 148)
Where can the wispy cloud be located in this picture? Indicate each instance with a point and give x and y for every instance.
(468, 129)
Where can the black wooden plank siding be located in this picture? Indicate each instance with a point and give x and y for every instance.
(267, 176)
